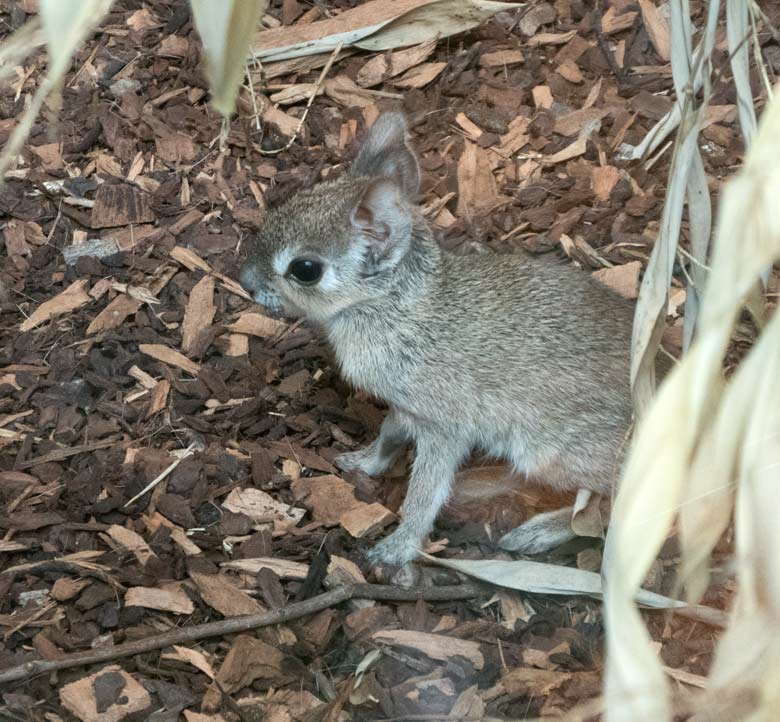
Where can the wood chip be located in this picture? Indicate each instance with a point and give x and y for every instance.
(612, 22)
(191, 656)
(657, 29)
(262, 507)
(515, 138)
(81, 697)
(420, 76)
(158, 399)
(551, 38)
(249, 659)
(170, 599)
(366, 519)
(283, 568)
(624, 279)
(572, 123)
(114, 314)
(73, 297)
(169, 356)
(570, 71)
(256, 324)
(434, 646)
(500, 58)
(199, 312)
(120, 205)
(603, 180)
(542, 96)
(477, 189)
(222, 595)
(132, 541)
(389, 65)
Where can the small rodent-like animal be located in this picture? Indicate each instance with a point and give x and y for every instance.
(520, 357)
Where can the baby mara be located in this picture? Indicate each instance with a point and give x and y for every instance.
(521, 358)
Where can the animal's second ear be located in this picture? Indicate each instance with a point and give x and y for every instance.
(386, 154)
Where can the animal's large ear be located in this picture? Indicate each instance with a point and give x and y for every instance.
(386, 154)
(382, 224)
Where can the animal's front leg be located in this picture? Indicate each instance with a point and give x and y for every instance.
(378, 457)
(436, 461)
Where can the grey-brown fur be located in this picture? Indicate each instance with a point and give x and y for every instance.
(522, 358)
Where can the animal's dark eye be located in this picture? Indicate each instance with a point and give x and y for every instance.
(305, 270)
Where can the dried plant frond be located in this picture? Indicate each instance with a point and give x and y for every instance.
(226, 29)
(695, 420)
(66, 23)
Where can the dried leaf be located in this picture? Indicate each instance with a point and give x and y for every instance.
(226, 29)
(539, 578)
(377, 25)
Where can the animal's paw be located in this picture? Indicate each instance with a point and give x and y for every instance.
(397, 549)
(541, 534)
(364, 460)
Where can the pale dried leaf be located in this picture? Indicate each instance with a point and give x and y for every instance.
(226, 29)
(377, 25)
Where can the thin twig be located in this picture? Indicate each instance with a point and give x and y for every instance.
(154, 482)
(315, 90)
(234, 625)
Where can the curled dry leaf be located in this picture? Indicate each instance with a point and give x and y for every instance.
(377, 25)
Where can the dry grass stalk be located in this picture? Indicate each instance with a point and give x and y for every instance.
(703, 445)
